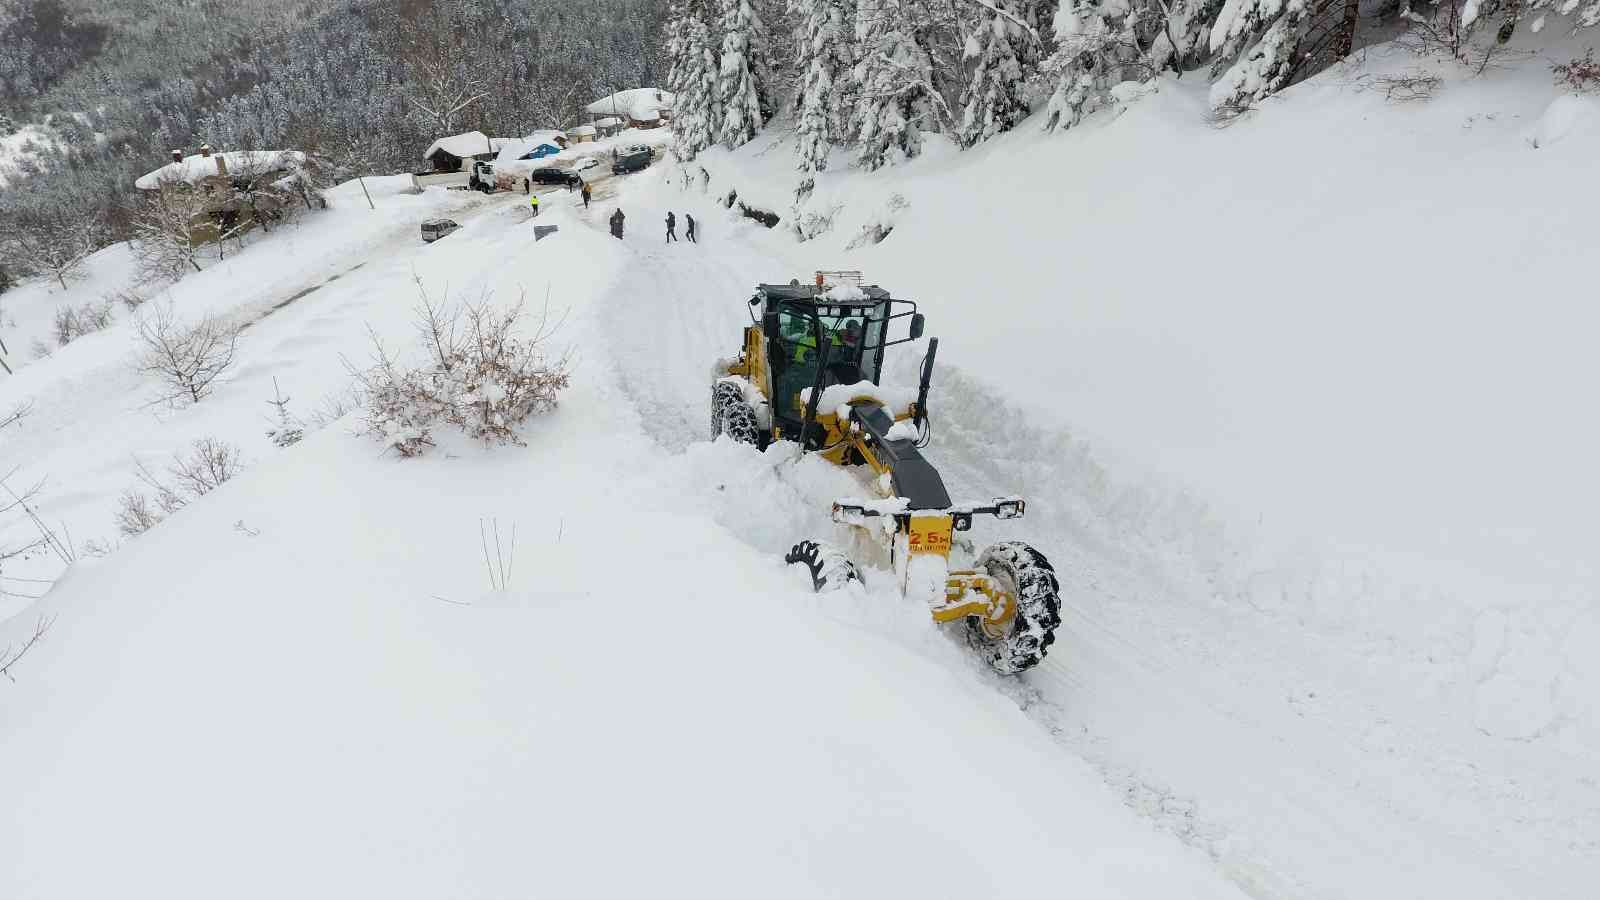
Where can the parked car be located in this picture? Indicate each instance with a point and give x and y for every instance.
(433, 229)
(632, 159)
(554, 176)
(585, 164)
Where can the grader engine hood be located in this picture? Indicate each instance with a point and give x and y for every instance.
(914, 477)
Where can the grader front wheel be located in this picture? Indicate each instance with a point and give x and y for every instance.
(1028, 575)
(830, 568)
(733, 416)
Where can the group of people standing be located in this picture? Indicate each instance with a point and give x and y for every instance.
(533, 199)
(672, 227)
(617, 218)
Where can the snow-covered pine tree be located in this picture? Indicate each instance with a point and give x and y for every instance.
(1005, 46)
(897, 96)
(825, 61)
(1102, 43)
(745, 80)
(1268, 63)
(697, 113)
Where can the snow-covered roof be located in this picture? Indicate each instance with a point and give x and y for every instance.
(193, 168)
(584, 129)
(640, 104)
(471, 143)
(515, 150)
(608, 122)
(549, 135)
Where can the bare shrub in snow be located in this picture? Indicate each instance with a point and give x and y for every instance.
(500, 563)
(11, 654)
(17, 414)
(1229, 112)
(1581, 75)
(209, 463)
(1452, 28)
(71, 323)
(39, 349)
(128, 297)
(170, 230)
(333, 408)
(45, 238)
(186, 359)
(135, 514)
(1404, 87)
(480, 376)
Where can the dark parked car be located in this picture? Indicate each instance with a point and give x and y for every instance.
(632, 160)
(555, 176)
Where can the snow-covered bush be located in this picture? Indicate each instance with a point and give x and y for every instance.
(210, 462)
(481, 376)
(290, 429)
(813, 223)
(185, 359)
(73, 322)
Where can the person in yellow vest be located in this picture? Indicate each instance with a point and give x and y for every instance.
(533, 204)
(808, 344)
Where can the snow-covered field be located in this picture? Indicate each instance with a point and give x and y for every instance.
(1313, 467)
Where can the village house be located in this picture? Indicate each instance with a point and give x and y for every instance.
(240, 188)
(450, 154)
(645, 107)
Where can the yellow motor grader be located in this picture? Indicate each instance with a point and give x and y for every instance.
(809, 373)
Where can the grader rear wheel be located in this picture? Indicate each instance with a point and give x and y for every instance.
(739, 423)
(722, 393)
(732, 415)
(1023, 570)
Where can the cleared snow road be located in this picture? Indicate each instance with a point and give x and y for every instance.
(1252, 741)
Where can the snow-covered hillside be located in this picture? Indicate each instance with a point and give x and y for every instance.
(309, 661)
(1242, 436)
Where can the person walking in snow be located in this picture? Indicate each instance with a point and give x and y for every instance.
(672, 227)
(616, 223)
(689, 217)
(533, 204)
(527, 187)
(586, 193)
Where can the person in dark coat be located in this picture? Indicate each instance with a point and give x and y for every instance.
(672, 227)
(689, 217)
(616, 223)
(527, 186)
(586, 193)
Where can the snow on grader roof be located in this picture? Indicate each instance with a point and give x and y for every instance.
(193, 168)
(640, 104)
